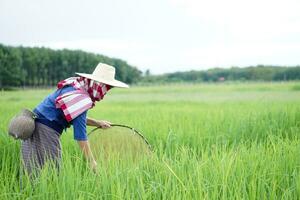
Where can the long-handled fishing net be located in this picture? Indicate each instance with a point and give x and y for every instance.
(118, 141)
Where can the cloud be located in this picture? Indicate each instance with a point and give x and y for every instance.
(256, 19)
(245, 32)
(162, 36)
(240, 54)
(95, 45)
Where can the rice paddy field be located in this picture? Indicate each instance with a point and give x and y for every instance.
(210, 141)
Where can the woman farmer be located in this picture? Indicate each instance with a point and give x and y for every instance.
(66, 106)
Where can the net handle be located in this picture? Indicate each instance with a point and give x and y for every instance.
(125, 126)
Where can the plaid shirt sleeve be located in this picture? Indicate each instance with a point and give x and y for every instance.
(79, 127)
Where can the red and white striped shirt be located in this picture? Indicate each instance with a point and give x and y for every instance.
(83, 98)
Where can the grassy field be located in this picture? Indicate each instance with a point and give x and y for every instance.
(211, 141)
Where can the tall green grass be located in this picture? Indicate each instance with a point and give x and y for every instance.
(224, 141)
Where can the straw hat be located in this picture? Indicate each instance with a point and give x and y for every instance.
(105, 74)
(22, 125)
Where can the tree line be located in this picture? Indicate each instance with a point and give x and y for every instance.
(26, 66)
(35, 67)
(251, 73)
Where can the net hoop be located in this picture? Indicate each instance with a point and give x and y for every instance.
(125, 126)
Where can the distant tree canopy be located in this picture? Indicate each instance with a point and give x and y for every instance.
(252, 73)
(23, 66)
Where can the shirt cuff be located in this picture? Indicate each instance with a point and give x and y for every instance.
(80, 139)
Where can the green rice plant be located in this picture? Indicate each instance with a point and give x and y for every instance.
(210, 141)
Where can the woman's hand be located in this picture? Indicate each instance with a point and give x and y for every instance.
(93, 165)
(85, 147)
(98, 123)
(103, 124)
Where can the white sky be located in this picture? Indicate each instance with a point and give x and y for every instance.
(161, 35)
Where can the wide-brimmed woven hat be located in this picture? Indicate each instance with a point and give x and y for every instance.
(105, 74)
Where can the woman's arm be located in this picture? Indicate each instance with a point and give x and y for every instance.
(84, 144)
(85, 147)
(97, 123)
(79, 126)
